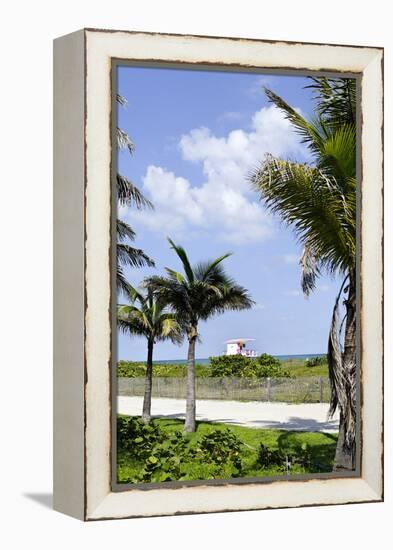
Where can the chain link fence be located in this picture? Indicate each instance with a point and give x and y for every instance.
(288, 390)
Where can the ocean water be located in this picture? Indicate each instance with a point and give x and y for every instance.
(206, 361)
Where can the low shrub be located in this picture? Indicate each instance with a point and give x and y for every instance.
(159, 452)
(316, 361)
(133, 369)
(228, 365)
(137, 438)
(164, 462)
(269, 457)
(268, 360)
(264, 366)
(130, 369)
(163, 456)
(220, 447)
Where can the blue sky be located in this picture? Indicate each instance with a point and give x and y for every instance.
(197, 136)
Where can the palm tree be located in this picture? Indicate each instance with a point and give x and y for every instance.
(128, 194)
(204, 290)
(318, 200)
(147, 316)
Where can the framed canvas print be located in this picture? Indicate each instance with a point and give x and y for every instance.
(218, 274)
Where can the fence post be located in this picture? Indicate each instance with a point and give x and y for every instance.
(269, 389)
(320, 390)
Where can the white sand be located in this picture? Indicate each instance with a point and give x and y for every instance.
(310, 417)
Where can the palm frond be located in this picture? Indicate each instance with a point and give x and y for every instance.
(128, 194)
(313, 205)
(175, 275)
(170, 328)
(121, 100)
(313, 133)
(338, 154)
(310, 269)
(335, 99)
(147, 315)
(335, 363)
(124, 231)
(121, 281)
(124, 141)
(134, 295)
(205, 291)
(184, 259)
(134, 257)
(210, 270)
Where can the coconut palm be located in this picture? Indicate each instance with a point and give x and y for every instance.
(318, 200)
(202, 291)
(128, 195)
(147, 316)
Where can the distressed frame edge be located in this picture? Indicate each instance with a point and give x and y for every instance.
(69, 275)
(98, 512)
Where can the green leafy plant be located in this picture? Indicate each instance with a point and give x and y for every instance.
(220, 447)
(264, 366)
(164, 462)
(160, 453)
(137, 438)
(137, 369)
(228, 365)
(269, 457)
(130, 369)
(267, 360)
(286, 458)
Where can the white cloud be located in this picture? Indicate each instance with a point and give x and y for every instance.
(256, 88)
(290, 258)
(230, 116)
(323, 288)
(258, 307)
(293, 293)
(223, 201)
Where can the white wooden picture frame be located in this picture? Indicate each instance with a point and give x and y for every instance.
(83, 409)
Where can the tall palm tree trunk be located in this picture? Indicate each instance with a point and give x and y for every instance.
(190, 423)
(345, 458)
(146, 412)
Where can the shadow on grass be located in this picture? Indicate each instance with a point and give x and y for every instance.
(321, 454)
(294, 423)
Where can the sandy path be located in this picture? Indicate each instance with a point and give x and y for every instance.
(306, 417)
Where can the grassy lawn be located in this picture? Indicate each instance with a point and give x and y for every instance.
(319, 448)
(300, 368)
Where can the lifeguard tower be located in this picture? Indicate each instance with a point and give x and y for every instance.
(238, 346)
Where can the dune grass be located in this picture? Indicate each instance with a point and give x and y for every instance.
(300, 368)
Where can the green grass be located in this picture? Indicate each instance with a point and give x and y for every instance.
(298, 368)
(321, 447)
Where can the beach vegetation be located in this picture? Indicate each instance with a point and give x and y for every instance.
(162, 451)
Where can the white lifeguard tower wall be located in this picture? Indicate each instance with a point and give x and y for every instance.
(237, 346)
(232, 349)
